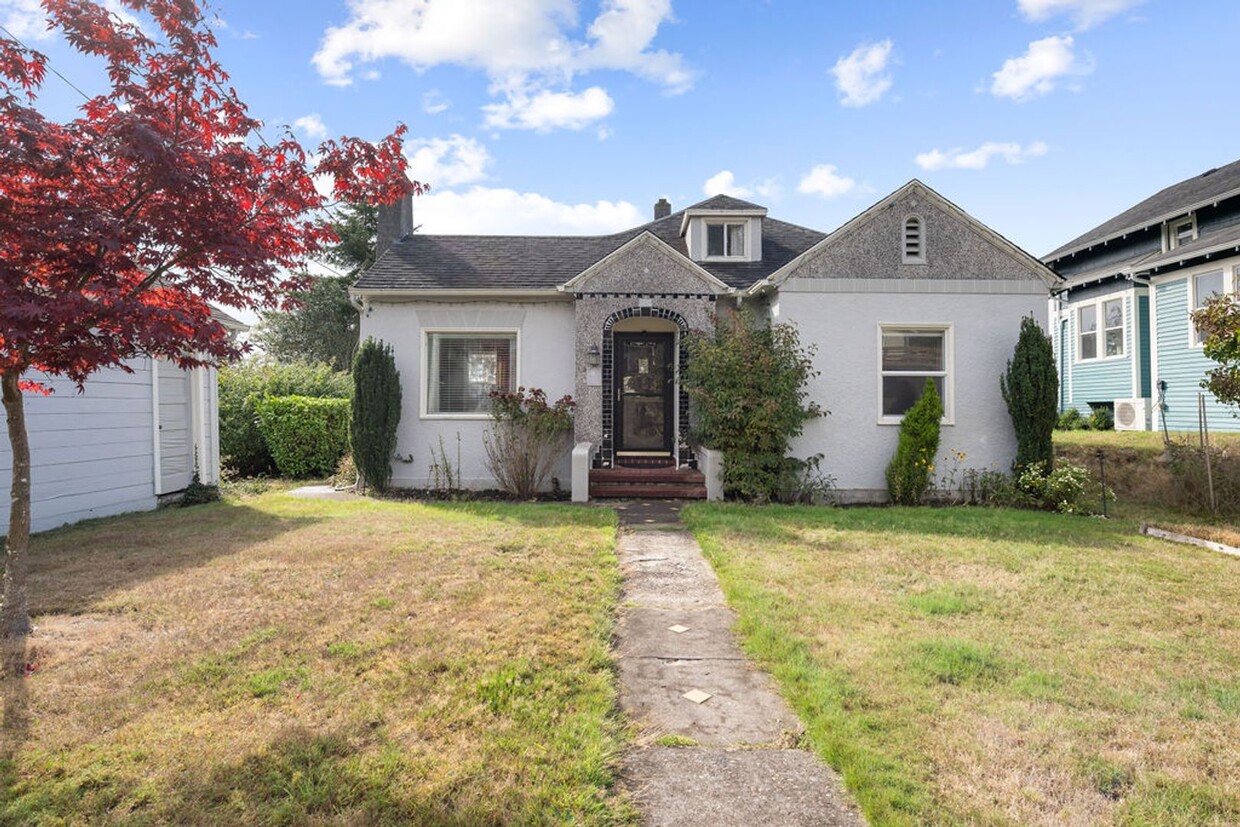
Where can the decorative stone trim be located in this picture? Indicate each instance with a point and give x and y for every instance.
(607, 449)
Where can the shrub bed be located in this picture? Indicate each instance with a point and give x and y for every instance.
(306, 436)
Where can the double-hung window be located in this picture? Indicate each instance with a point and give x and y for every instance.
(463, 369)
(1100, 330)
(911, 355)
(725, 240)
(1204, 286)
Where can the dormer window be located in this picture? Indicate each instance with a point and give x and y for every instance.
(725, 240)
(914, 241)
(1181, 231)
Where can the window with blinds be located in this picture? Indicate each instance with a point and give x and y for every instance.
(463, 369)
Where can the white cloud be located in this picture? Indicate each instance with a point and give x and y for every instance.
(1012, 153)
(1084, 13)
(311, 126)
(860, 76)
(434, 102)
(825, 181)
(25, 19)
(724, 183)
(529, 49)
(497, 211)
(447, 162)
(544, 111)
(1038, 70)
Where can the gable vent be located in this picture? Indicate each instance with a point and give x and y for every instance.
(914, 241)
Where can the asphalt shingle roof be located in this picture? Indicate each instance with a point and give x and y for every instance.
(473, 262)
(1166, 203)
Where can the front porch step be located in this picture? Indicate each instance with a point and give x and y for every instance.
(647, 483)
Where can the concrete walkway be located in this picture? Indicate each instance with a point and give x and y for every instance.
(683, 679)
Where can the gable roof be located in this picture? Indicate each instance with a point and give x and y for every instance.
(1037, 268)
(708, 281)
(1175, 200)
(496, 262)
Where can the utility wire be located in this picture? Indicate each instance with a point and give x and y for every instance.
(47, 62)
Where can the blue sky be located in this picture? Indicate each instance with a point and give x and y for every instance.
(1042, 118)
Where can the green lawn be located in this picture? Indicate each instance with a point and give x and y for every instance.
(995, 667)
(281, 661)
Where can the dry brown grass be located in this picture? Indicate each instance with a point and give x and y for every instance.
(282, 661)
(984, 666)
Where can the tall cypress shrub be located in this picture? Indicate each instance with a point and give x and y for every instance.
(1031, 389)
(908, 474)
(376, 413)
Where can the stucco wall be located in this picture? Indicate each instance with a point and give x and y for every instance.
(545, 359)
(92, 454)
(844, 327)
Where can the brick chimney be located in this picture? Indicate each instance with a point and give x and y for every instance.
(662, 208)
(395, 222)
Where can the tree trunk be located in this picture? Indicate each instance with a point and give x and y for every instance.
(15, 612)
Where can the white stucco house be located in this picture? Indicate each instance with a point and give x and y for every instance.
(911, 288)
(125, 441)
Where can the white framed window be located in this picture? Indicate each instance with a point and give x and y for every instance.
(1201, 287)
(908, 356)
(462, 368)
(726, 239)
(1100, 330)
(1180, 231)
(914, 241)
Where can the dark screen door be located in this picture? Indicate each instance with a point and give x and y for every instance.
(644, 381)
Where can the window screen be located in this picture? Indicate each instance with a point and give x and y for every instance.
(910, 357)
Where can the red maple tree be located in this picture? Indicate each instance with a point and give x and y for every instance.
(118, 227)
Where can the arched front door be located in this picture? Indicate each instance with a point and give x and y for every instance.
(645, 390)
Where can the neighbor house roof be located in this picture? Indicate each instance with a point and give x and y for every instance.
(1192, 193)
(476, 262)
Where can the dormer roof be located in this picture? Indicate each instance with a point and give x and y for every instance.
(721, 205)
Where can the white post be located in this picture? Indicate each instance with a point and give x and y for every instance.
(710, 462)
(581, 472)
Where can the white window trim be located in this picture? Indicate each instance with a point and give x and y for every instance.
(1230, 281)
(1170, 241)
(1101, 331)
(921, 228)
(424, 380)
(949, 372)
(725, 222)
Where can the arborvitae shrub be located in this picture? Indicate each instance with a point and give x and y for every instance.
(1031, 389)
(307, 436)
(908, 475)
(376, 413)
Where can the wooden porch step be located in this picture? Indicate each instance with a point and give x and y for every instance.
(647, 475)
(647, 483)
(647, 491)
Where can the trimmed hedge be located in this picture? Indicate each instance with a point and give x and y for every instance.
(242, 447)
(307, 436)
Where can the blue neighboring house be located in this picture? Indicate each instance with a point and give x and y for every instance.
(1120, 321)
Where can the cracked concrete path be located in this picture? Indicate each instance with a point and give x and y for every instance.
(684, 680)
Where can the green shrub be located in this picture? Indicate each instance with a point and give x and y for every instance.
(747, 382)
(908, 474)
(1102, 418)
(529, 437)
(1068, 489)
(1071, 420)
(243, 451)
(1031, 389)
(376, 413)
(307, 436)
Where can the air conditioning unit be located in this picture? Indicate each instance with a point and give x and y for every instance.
(1133, 414)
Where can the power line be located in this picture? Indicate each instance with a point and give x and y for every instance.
(46, 62)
